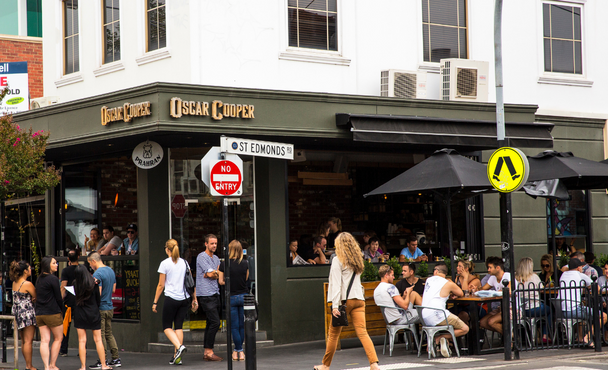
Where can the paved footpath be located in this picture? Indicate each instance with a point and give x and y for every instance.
(306, 355)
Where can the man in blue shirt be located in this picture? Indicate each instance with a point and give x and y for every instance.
(412, 251)
(208, 293)
(106, 279)
(130, 244)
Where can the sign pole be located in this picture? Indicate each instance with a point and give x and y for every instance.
(227, 280)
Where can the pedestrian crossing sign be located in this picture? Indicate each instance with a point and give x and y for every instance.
(508, 169)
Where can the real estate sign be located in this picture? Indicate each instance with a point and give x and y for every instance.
(13, 75)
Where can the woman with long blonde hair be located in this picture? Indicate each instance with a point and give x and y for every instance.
(175, 308)
(239, 274)
(529, 300)
(347, 264)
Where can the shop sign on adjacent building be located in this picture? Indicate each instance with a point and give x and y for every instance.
(217, 109)
(14, 76)
(256, 148)
(147, 155)
(125, 113)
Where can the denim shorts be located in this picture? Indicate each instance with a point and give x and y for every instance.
(579, 313)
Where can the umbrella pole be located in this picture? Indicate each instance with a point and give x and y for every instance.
(449, 215)
(554, 248)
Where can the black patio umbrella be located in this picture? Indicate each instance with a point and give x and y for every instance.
(574, 172)
(448, 175)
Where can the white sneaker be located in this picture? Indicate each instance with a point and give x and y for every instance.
(445, 349)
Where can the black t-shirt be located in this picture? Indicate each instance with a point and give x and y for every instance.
(403, 284)
(331, 239)
(238, 276)
(68, 275)
(312, 254)
(48, 295)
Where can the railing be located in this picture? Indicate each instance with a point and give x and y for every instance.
(555, 317)
(15, 344)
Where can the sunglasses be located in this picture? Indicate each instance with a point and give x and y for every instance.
(545, 266)
(130, 232)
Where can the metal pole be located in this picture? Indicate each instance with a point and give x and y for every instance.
(450, 237)
(506, 321)
(227, 281)
(506, 235)
(500, 105)
(250, 340)
(597, 313)
(553, 246)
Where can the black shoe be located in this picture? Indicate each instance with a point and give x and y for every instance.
(116, 363)
(96, 366)
(63, 354)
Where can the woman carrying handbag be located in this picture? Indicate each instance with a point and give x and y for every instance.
(345, 285)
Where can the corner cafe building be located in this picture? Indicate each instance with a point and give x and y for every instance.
(345, 146)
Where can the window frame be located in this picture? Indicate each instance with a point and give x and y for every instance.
(422, 24)
(551, 38)
(559, 78)
(64, 37)
(147, 27)
(103, 25)
(327, 12)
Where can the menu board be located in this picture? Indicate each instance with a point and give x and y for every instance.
(132, 300)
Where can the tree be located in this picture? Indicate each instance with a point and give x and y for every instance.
(22, 169)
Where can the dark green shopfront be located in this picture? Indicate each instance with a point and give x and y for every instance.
(344, 147)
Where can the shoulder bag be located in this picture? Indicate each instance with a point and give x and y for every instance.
(189, 284)
(342, 320)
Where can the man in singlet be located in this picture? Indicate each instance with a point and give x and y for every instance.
(437, 290)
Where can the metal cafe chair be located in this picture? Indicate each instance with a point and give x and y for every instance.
(391, 330)
(431, 331)
(534, 321)
(564, 322)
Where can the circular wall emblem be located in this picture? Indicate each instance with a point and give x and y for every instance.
(147, 155)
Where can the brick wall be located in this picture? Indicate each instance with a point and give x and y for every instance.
(12, 49)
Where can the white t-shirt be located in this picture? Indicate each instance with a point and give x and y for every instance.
(174, 278)
(497, 285)
(571, 298)
(383, 295)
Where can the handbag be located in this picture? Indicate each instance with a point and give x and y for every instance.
(342, 320)
(189, 284)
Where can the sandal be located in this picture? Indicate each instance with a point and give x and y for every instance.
(235, 356)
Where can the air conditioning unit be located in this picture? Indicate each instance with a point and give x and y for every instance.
(403, 84)
(43, 102)
(464, 80)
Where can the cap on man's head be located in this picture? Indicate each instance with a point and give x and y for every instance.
(132, 226)
(575, 263)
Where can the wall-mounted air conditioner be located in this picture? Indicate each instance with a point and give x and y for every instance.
(464, 80)
(43, 102)
(403, 84)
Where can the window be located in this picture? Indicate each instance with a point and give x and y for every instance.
(562, 39)
(34, 18)
(444, 29)
(313, 24)
(157, 28)
(111, 31)
(571, 219)
(70, 36)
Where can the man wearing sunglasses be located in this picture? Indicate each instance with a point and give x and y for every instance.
(131, 242)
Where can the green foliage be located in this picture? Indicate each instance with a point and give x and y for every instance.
(22, 169)
(423, 269)
(601, 260)
(395, 265)
(370, 272)
(563, 260)
(448, 263)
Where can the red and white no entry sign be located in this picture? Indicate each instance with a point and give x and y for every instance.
(226, 178)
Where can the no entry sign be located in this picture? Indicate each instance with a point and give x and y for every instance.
(226, 178)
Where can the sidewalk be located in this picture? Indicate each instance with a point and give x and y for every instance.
(351, 357)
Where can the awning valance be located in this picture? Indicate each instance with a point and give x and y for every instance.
(449, 133)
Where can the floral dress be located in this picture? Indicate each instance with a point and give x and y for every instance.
(23, 309)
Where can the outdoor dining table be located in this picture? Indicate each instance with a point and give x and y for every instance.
(475, 344)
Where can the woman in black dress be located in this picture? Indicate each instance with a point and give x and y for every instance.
(86, 314)
(49, 316)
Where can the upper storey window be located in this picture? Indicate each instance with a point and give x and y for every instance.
(313, 24)
(562, 39)
(111, 31)
(444, 29)
(70, 36)
(157, 24)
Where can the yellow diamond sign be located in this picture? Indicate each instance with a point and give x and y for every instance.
(508, 169)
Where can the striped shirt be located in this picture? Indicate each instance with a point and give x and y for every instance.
(206, 287)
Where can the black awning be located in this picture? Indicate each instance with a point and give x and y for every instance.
(449, 133)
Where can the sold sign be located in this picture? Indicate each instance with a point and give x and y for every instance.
(226, 178)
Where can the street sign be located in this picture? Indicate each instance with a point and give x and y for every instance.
(508, 169)
(178, 206)
(226, 178)
(256, 148)
(213, 155)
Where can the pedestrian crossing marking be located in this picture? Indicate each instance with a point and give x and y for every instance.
(508, 169)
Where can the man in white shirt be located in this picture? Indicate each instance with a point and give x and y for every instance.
(571, 298)
(493, 320)
(437, 290)
(386, 294)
